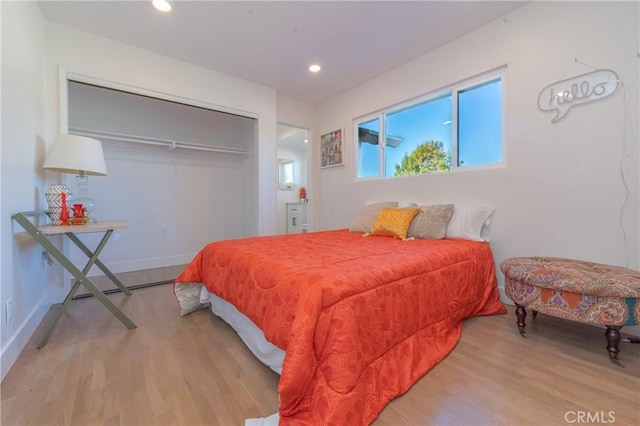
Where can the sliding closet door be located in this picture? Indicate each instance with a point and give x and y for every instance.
(178, 174)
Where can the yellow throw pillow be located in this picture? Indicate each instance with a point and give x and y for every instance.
(394, 222)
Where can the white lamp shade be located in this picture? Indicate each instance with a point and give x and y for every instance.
(76, 155)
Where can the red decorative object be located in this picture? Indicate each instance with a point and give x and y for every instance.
(78, 211)
(79, 215)
(64, 212)
(302, 194)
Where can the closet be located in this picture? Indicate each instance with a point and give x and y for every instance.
(180, 174)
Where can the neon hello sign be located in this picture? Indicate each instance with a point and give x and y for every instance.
(563, 95)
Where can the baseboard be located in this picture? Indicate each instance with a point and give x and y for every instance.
(143, 264)
(19, 340)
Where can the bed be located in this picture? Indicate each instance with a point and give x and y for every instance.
(355, 319)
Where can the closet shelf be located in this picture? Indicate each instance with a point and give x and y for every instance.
(170, 144)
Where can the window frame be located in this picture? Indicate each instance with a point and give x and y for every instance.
(453, 90)
(283, 183)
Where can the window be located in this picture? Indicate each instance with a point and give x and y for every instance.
(454, 128)
(286, 178)
(368, 152)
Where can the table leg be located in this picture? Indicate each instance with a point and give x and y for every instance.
(58, 314)
(81, 278)
(93, 258)
(613, 337)
(521, 314)
(108, 304)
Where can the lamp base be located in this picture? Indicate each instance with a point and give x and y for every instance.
(88, 204)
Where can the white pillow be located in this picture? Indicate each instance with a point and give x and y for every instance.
(366, 216)
(470, 222)
(403, 204)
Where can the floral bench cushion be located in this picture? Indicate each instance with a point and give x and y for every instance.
(572, 289)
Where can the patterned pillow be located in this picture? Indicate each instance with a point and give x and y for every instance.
(431, 222)
(394, 222)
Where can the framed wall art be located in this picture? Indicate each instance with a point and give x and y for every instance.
(331, 149)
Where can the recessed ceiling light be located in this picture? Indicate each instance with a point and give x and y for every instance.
(162, 5)
(314, 67)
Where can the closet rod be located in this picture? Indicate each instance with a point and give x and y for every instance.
(157, 141)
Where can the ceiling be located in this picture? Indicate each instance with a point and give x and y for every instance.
(273, 42)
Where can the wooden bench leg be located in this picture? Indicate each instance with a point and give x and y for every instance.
(521, 314)
(613, 337)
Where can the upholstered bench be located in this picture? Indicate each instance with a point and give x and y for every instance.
(576, 290)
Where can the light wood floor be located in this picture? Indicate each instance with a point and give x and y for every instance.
(195, 371)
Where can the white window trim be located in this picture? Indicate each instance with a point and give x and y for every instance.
(453, 90)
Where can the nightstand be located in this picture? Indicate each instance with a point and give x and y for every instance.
(42, 233)
(296, 218)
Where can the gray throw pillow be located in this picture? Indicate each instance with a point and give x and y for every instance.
(431, 222)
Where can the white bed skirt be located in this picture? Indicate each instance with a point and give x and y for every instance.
(194, 296)
(251, 335)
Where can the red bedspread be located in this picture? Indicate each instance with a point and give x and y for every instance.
(361, 318)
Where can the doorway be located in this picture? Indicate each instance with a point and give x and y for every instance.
(293, 170)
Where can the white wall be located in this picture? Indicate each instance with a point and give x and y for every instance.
(561, 192)
(85, 54)
(24, 277)
(295, 113)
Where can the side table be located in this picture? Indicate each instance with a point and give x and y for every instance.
(41, 234)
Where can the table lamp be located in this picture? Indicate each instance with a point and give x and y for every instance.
(81, 156)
